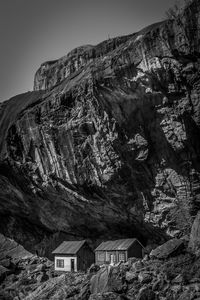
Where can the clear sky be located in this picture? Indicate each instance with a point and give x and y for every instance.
(33, 31)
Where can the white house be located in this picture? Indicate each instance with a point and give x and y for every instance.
(73, 256)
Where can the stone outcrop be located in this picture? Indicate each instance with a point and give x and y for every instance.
(194, 242)
(170, 248)
(53, 72)
(9, 249)
(108, 279)
(108, 143)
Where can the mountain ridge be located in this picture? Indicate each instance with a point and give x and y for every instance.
(107, 145)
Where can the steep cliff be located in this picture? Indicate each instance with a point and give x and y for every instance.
(108, 144)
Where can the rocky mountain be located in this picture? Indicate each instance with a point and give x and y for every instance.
(107, 145)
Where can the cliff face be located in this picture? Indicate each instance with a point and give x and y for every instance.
(112, 147)
(53, 72)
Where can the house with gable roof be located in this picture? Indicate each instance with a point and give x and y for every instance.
(73, 256)
(119, 250)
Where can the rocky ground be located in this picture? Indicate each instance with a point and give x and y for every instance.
(168, 272)
(177, 277)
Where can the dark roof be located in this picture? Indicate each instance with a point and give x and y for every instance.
(69, 247)
(122, 244)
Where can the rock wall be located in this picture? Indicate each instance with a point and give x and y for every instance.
(53, 72)
(112, 148)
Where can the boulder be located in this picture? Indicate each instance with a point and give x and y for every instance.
(5, 262)
(145, 258)
(137, 266)
(144, 277)
(131, 276)
(108, 279)
(85, 291)
(94, 268)
(168, 249)
(41, 267)
(146, 293)
(33, 260)
(42, 277)
(178, 279)
(194, 242)
(99, 281)
(187, 294)
(3, 272)
(156, 285)
(131, 261)
(48, 263)
(11, 249)
(105, 296)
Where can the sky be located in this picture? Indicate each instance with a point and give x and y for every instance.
(34, 31)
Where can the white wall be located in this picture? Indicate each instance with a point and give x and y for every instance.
(67, 263)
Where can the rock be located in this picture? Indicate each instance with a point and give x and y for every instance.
(107, 279)
(65, 286)
(144, 277)
(131, 276)
(84, 291)
(3, 272)
(48, 263)
(187, 294)
(194, 242)
(99, 281)
(170, 248)
(31, 268)
(145, 258)
(42, 277)
(146, 294)
(11, 250)
(105, 296)
(178, 279)
(34, 260)
(137, 266)
(5, 262)
(157, 285)
(195, 280)
(94, 268)
(41, 267)
(131, 261)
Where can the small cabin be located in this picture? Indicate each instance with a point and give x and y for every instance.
(119, 250)
(73, 256)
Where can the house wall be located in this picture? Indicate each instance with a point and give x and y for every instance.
(85, 258)
(106, 255)
(67, 263)
(135, 250)
(103, 260)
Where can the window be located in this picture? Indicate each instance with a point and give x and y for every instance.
(122, 257)
(101, 256)
(60, 263)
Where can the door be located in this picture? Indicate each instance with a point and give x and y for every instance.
(112, 259)
(72, 265)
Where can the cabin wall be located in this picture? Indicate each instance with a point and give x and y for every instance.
(102, 257)
(85, 258)
(67, 263)
(135, 250)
